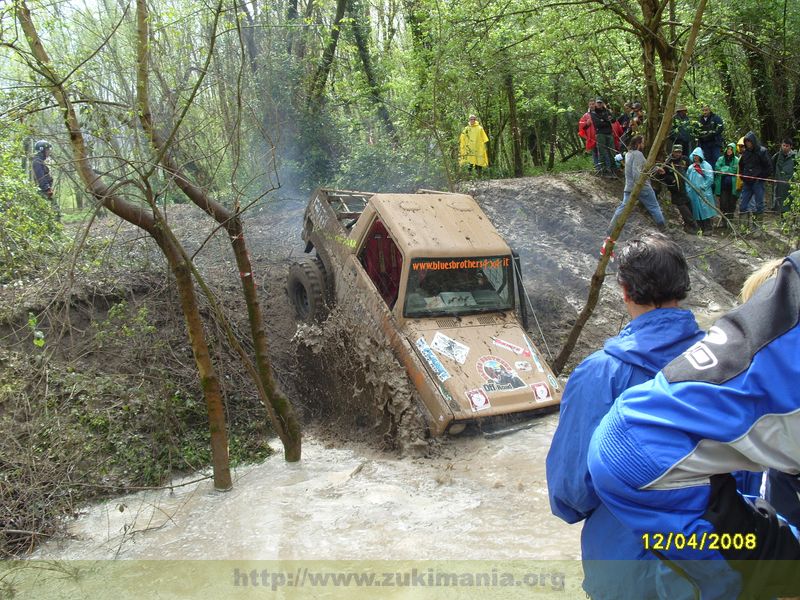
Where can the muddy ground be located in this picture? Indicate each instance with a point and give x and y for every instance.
(557, 225)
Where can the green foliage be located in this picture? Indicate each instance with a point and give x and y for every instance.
(38, 335)
(29, 232)
(377, 166)
(123, 326)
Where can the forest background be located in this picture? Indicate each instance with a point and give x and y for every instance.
(373, 94)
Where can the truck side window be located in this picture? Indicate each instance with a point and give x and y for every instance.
(382, 261)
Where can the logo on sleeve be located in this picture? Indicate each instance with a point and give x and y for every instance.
(700, 356)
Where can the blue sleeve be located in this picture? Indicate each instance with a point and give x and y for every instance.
(588, 395)
(622, 461)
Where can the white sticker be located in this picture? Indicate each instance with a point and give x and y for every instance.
(433, 360)
(541, 391)
(535, 358)
(553, 381)
(509, 346)
(450, 348)
(523, 365)
(478, 400)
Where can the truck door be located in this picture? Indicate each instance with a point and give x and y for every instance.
(382, 261)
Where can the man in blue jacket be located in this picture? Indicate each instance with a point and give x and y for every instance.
(710, 134)
(660, 459)
(654, 277)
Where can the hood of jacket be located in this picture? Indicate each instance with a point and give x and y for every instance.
(697, 152)
(724, 155)
(649, 338)
(753, 139)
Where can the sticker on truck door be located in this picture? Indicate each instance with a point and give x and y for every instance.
(450, 348)
(432, 360)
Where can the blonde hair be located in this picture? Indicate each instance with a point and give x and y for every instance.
(766, 272)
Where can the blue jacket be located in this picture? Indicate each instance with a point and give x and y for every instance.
(640, 350)
(658, 458)
(700, 187)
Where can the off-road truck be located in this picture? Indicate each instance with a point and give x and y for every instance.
(430, 277)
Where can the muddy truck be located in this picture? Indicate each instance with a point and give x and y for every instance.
(432, 279)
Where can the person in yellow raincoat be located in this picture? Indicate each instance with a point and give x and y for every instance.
(472, 146)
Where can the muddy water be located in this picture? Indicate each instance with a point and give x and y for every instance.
(480, 499)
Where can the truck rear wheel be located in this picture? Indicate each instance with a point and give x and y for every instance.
(305, 286)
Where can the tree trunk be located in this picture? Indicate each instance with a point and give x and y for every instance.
(762, 91)
(248, 34)
(137, 216)
(608, 245)
(317, 88)
(653, 94)
(734, 102)
(361, 32)
(516, 133)
(551, 160)
(282, 416)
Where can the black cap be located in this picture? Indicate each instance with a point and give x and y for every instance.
(599, 100)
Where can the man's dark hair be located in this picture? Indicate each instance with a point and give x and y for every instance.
(788, 141)
(653, 270)
(636, 142)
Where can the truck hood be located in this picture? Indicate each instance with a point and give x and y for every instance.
(484, 365)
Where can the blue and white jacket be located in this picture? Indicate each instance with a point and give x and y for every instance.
(642, 348)
(659, 459)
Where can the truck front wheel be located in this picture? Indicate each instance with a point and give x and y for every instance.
(305, 286)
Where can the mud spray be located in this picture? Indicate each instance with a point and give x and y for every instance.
(355, 387)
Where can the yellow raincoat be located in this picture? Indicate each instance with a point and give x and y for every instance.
(472, 146)
(740, 148)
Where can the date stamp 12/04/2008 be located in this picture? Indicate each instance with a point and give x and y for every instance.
(672, 540)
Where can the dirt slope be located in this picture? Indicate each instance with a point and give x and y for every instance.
(558, 225)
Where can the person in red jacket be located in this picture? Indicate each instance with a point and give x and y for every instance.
(587, 132)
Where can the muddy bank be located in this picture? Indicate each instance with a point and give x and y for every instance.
(558, 224)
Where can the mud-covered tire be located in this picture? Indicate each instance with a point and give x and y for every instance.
(305, 287)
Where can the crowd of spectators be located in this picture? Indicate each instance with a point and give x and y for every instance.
(705, 176)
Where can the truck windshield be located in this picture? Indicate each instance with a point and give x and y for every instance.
(457, 286)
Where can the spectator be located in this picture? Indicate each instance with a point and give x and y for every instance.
(637, 118)
(709, 135)
(681, 133)
(41, 173)
(754, 167)
(783, 489)
(661, 459)
(625, 118)
(634, 163)
(725, 181)
(699, 186)
(587, 132)
(635, 121)
(673, 176)
(653, 277)
(601, 119)
(784, 163)
(472, 146)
